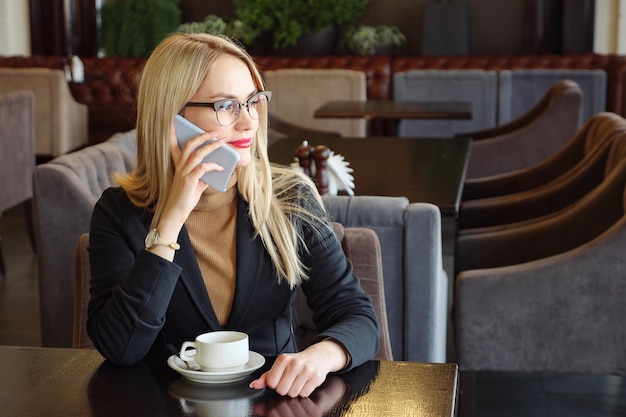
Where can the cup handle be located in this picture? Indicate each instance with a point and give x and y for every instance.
(183, 351)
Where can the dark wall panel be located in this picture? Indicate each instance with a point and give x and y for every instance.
(496, 27)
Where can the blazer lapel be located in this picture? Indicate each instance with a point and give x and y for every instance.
(250, 264)
(192, 279)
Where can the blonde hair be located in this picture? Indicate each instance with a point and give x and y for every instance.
(171, 76)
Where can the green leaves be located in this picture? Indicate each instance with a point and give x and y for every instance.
(288, 20)
(365, 39)
(135, 27)
(215, 25)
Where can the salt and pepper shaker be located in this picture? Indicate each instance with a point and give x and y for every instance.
(319, 154)
(303, 153)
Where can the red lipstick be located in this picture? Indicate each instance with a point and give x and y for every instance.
(241, 143)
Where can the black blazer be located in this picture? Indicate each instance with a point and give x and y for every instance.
(144, 306)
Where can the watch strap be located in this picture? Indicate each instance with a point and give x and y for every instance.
(173, 245)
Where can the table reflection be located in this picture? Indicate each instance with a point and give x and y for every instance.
(141, 390)
(235, 399)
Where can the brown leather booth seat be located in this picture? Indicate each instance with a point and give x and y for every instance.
(108, 90)
(496, 62)
(377, 69)
(111, 82)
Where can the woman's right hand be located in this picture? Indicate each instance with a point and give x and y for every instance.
(187, 188)
(188, 169)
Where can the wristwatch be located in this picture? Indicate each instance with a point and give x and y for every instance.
(153, 239)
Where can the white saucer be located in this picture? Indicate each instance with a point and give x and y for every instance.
(187, 390)
(255, 361)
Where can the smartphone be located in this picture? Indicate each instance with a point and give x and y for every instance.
(223, 156)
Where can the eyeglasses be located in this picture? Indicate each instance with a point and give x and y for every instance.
(227, 110)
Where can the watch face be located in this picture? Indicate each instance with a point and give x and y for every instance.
(151, 239)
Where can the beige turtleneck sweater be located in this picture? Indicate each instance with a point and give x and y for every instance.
(212, 227)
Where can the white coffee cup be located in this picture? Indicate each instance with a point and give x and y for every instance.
(218, 351)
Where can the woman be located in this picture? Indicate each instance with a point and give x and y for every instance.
(226, 260)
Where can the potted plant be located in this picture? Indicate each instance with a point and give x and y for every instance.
(218, 26)
(371, 40)
(135, 27)
(285, 22)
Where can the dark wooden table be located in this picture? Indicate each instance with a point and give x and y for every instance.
(391, 109)
(511, 393)
(421, 169)
(50, 382)
(388, 113)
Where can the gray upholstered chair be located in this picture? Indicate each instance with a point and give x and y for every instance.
(65, 192)
(520, 89)
(585, 140)
(476, 86)
(360, 245)
(416, 285)
(558, 305)
(527, 140)
(17, 154)
(554, 195)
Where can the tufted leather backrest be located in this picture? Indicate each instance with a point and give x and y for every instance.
(500, 62)
(377, 69)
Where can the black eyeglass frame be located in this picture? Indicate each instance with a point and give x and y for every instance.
(217, 104)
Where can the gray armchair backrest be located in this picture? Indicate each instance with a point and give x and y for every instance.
(416, 286)
(476, 86)
(65, 192)
(17, 147)
(520, 89)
